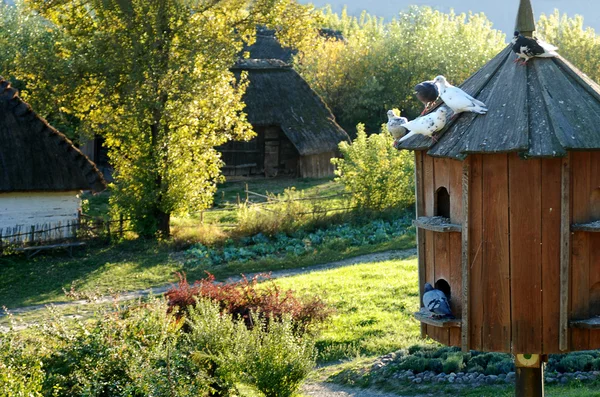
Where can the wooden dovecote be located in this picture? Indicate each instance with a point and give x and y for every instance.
(519, 249)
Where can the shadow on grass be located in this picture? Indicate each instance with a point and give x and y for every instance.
(41, 279)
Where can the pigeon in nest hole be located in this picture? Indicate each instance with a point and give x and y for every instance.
(436, 302)
(395, 125)
(427, 92)
(458, 100)
(426, 125)
(527, 48)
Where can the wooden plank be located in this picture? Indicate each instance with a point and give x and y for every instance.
(594, 342)
(551, 224)
(525, 254)
(476, 253)
(437, 323)
(565, 251)
(580, 339)
(580, 271)
(465, 274)
(429, 265)
(594, 277)
(591, 227)
(420, 209)
(428, 185)
(589, 323)
(581, 180)
(455, 281)
(455, 172)
(442, 176)
(495, 289)
(442, 257)
(436, 224)
(455, 337)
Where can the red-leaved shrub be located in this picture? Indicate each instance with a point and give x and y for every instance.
(242, 298)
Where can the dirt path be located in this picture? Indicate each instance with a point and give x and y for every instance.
(126, 296)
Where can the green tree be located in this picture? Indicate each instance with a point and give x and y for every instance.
(376, 68)
(579, 44)
(153, 77)
(33, 60)
(376, 174)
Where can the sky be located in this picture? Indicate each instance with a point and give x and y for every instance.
(502, 13)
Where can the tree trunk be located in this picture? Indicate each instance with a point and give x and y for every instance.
(163, 220)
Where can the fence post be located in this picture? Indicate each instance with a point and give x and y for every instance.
(120, 225)
(32, 234)
(108, 229)
(238, 199)
(246, 192)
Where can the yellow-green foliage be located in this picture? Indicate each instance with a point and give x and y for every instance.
(154, 78)
(579, 45)
(379, 64)
(376, 174)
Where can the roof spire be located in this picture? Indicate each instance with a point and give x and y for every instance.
(525, 20)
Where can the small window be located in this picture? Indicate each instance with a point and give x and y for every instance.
(443, 286)
(442, 203)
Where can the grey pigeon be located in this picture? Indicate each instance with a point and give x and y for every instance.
(395, 125)
(436, 302)
(458, 100)
(426, 125)
(427, 92)
(527, 48)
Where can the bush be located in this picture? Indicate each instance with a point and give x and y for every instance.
(414, 363)
(21, 372)
(377, 175)
(279, 360)
(141, 351)
(453, 363)
(244, 298)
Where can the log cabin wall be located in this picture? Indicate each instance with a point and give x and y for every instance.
(585, 255)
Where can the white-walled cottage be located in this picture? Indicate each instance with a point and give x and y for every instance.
(41, 173)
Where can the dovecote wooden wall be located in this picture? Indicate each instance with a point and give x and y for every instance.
(504, 275)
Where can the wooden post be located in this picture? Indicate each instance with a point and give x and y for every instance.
(465, 255)
(246, 190)
(120, 225)
(529, 375)
(565, 253)
(32, 234)
(419, 211)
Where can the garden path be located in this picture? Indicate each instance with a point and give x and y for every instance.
(130, 295)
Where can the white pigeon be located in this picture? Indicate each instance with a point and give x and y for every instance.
(426, 125)
(395, 124)
(458, 100)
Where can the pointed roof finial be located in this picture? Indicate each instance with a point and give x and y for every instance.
(525, 19)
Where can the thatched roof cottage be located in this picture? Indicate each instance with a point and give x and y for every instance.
(41, 172)
(296, 132)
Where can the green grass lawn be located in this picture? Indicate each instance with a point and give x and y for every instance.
(138, 264)
(373, 307)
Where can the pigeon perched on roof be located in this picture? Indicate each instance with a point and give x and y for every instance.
(527, 48)
(427, 92)
(395, 125)
(436, 302)
(426, 125)
(458, 100)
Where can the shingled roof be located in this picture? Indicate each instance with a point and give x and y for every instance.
(544, 109)
(278, 95)
(36, 157)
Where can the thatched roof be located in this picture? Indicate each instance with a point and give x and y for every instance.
(544, 109)
(267, 47)
(36, 157)
(278, 95)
